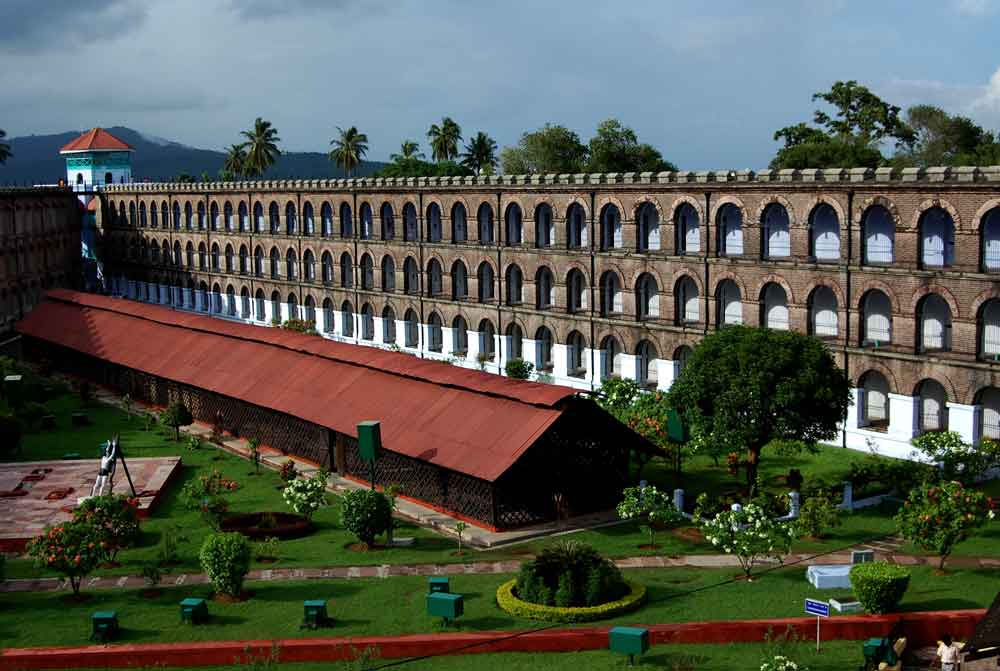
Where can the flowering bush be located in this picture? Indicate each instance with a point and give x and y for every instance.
(939, 517)
(781, 663)
(958, 460)
(207, 494)
(72, 549)
(305, 497)
(115, 516)
(225, 558)
(366, 513)
(288, 472)
(652, 505)
(749, 533)
(817, 514)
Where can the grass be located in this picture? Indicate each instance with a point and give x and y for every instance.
(396, 605)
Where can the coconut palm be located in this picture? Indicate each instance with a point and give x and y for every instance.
(261, 148)
(480, 153)
(236, 159)
(445, 139)
(4, 148)
(408, 149)
(349, 148)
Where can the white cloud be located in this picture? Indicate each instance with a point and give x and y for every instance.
(980, 102)
(975, 7)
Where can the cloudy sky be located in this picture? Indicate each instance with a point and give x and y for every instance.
(706, 82)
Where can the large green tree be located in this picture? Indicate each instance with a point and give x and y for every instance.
(349, 148)
(749, 386)
(235, 164)
(616, 148)
(942, 139)
(550, 149)
(261, 148)
(407, 149)
(445, 139)
(415, 167)
(4, 147)
(480, 153)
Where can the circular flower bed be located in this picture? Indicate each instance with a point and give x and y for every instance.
(268, 525)
(508, 601)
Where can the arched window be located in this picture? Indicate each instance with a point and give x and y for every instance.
(576, 361)
(178, 260)
(484, 218)
(274, 219)
(388, 273)
(611, 294)
(823, 312)
(433, 223)
(729, 302)
(459, 281)
(214, 218)
(648, 221)
(177, 215)
(326, 220)
(411, 276)
(244, 218)
(576, 227)
(310, 305)
(245, 303)
(434, 277)
(367, 272)
(388, 325)
(543, 357)
(933, 324)
(227, 215)
(776, 239)
(291, 264)
(611, 351)
(367, 322)
(154, 252)
(646, 368)
(188, 216)
(293, 307)
(411, 331)
(258, 218)
(460, 337)
(388, 222)
(326, 261)
(486, 281)
(153, 218)
(215, 256)
(876, 319)
(434, 333)
(487, 340)
(346, 271)
(687, 302)
(259, 308)
(937, 239)
(989, 399)
(459, 224)
(933, 406)
(515, 341)
(203, 294)
(824, 233)
(347, 319)
(275, 263)
(166, 253)
(346, 221)
(230, 301)
(682, 355)
(990, 232)
(366, 224)
(611, 228)
(687, 224)
(410, 229)
(142, 215)
(309, 266)
(513, 227)
(545, 228)
(328, 322)
(202, 256)
(774, 307)
(875, 400)
(647, 297)
(989, 330)
(201, 216)
(189, 251)
(513, 282)
(545, 293)
(308, 224)
(576, 291)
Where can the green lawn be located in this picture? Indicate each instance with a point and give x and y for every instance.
(396, 605)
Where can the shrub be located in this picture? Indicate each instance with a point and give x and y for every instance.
(225, 558)
(151, 573)
(874, 475)
(569, 574)
(781, 663)
(115, 516)
(366, 513)
(305, 497)
(72, 549)
(175, 416)
(817, 514)
(939, 517)
(268, 548)
(508, 599)
(519, 369)
(31, 414)
(650, 504)
(10, 435)
(194, 443)
(957, 459)
(207, 494)
(879, 586)
(749, 533)
(299, 326)
(253, 445)
(288, 472)
(167, 552)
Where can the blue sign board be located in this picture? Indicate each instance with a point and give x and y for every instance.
(817, 608)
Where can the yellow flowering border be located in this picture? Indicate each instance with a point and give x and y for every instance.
(514, 606)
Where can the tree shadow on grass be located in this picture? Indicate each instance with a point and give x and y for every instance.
(673, 660)
(135, 635)
(946, 603)
(315, 589)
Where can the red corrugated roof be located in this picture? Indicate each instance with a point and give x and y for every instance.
(464, 420)
(96, 139)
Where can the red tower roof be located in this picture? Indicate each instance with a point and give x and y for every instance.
(96, 139)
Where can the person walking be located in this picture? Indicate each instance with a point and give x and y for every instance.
(948, 650)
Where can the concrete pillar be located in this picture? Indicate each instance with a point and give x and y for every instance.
(903, 414)
(592, 359)
(188, 299)
(679, 499)
(164, 294)
(377, 327)
(504, 344)
(472, 337)
(529, 351)
(447, 341)
(425, 339)
(628, 365)
(198, 298)
(854, 410)
(964, 420)
(401, 332)
(666, 373)
(560, 360)
(131, 289)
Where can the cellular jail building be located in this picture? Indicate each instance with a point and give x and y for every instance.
(592, 275)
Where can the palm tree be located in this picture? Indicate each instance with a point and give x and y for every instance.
(349, 148)
(409, 149)
(261, 148)
(480, 153)
(4, 148)
(236, 160)
(444, 139)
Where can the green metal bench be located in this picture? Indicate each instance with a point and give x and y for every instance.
(629, 641)
(104, 626)
(194, 610)
(314, 614)
(438, 584)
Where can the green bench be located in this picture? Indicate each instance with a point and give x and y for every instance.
(446, 606)
(629, 641)
(438, 584)
(315, 615)
(104, 626)
(194, 610)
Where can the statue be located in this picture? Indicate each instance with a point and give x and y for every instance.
(106, 473)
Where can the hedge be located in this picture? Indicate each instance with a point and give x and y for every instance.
(518, 608)
(879, 586)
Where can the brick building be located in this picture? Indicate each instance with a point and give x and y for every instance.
(588, 276)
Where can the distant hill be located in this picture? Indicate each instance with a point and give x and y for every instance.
(36, 159)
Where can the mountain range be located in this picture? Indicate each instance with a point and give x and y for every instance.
(35, 160)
